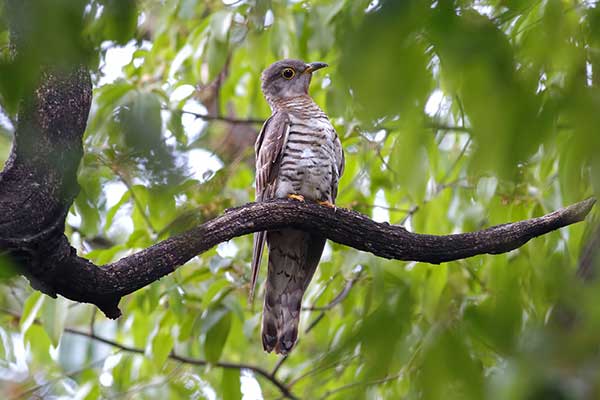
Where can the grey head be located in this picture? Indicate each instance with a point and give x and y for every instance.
(287, 79)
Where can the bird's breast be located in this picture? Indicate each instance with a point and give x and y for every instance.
(307, 165)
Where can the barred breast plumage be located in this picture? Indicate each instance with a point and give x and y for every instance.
(308, 166)
(297, 153)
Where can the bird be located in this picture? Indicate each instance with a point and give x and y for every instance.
(298, 156)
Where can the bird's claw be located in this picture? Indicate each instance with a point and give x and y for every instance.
(327, 204)
(297, 197)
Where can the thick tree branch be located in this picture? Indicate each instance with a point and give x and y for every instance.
(82, 281)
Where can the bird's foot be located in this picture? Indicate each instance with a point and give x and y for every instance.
(327, 204)
(297, 197)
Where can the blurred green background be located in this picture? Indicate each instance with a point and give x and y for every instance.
(454, 115)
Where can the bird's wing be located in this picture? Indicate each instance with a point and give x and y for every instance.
(339, 164)
(269, 148)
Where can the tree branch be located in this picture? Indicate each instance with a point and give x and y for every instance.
(223, 118)
(82, 281)
(340, 296)
(187, 360)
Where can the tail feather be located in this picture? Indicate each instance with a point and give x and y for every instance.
(257, 251)
(293, 259)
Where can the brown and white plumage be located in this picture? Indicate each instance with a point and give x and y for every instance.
(297, 152)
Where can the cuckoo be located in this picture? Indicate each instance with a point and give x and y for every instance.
(298, 156)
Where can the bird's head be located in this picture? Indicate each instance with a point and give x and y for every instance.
(287, 79)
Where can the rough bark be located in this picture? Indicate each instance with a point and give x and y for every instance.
(39, 181)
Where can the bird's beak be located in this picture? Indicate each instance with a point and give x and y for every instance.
(311, 67)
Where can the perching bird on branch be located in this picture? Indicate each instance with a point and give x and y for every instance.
(299, 156)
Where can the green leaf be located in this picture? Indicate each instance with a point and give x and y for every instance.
(230, 384)
(53, 315)
(163, 341)
(162, 344)
(213, 291)
(176, 127)
(187, 326)
(7, 268)
(435, 284)
(104, 256)
(110, 215)
(220, 23)
(218, 324)
(141, 122)
(30, 310)
(217, 53)
(119, 20)
(39, 345)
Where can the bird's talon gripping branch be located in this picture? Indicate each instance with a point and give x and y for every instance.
(298, 197)
(327, 204)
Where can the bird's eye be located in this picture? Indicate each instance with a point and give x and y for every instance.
(288, 73)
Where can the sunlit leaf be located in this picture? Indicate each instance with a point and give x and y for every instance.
(30, 310)
(230, 384)
(53, 316)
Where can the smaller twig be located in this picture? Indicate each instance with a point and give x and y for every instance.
(456, 161)
(354, 204)
(321, 369)
(472, 274)
(154, 383)
(186, 360)
(93, 320)
(462, 110)
(377, 147)
(410, 213)
(230, 120)
(16, 296)
(279, 364)
(26, 393)
(258, 370)
(355, 384)
(192, 361)
(407, 367)
(443, 127)
(315, 322)
(338, 299)
(326, 286)
(340, 296)
(385, 163)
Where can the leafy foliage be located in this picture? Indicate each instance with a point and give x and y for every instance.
(454, 115)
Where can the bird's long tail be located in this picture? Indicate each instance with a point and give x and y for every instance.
(293, 259)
